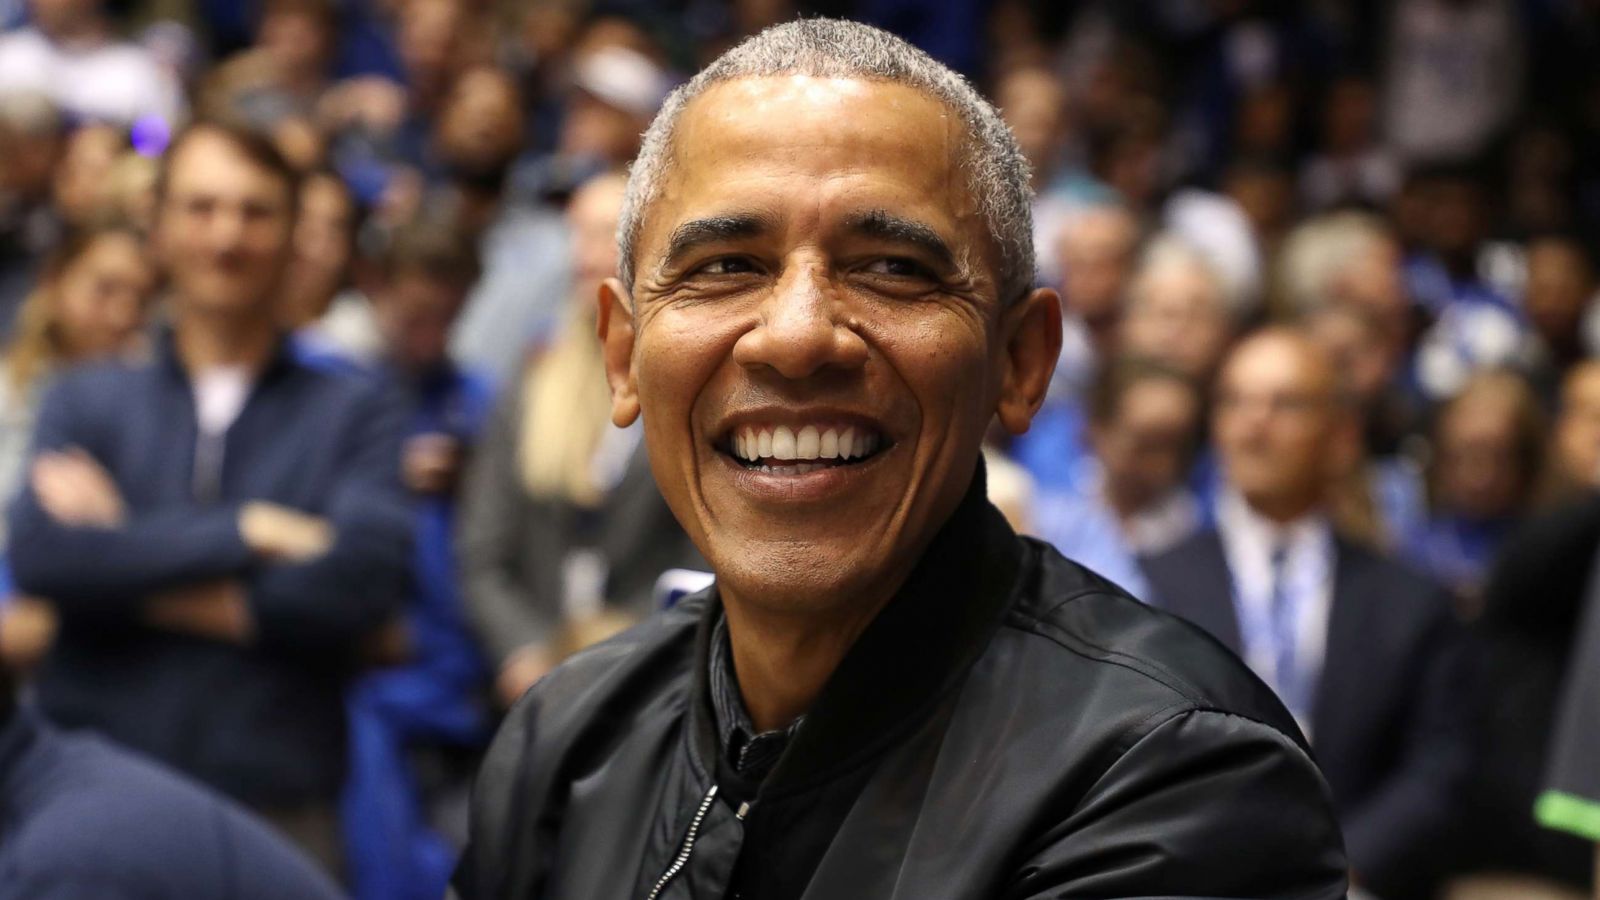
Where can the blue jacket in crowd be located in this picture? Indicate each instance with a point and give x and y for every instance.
(263, 722)
(83, 820)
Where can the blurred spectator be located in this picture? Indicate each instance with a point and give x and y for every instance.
(1097, 246)
(326, 313)
(1476, 325)
(1523, 647)
(1559, 293)
(1034, 103)
(69, 52)
(562, 518)
(1381, 499)
(425, 715)
(1263, 189)
(1350, 167)
(1488, 450)
(30, 143)
(80, 187)
(1575, 457)
(523, 245)
(285, 73)
(221, 515)
(1363, 652)
(90, 304)
(1130, 500)
(1177, 312)
(1454, 70)
(86, 820)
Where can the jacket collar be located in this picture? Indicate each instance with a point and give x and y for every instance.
(165, 350)
(918, 647)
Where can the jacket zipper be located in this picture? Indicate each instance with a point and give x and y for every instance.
(687, 848)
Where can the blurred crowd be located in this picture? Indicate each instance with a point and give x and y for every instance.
(1230, 194)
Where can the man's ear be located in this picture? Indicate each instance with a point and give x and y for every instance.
(615, 327)
(1030, 332)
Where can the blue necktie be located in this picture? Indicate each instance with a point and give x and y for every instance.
(1285, 636)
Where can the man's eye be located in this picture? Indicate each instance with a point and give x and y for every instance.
(728, 265)
(899, 267)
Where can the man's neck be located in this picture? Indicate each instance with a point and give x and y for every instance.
(783, 660)
(208, 342)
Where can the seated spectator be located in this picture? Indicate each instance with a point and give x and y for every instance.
(1177, 311)
(1097, 246)
(1559, 293)
(1488, 449)
(428, 708)
(1144, 421)
(1575, 450)
(80, 187)
(221, 516)
(90, 305)
(1350, 165)
(86, 820)
(1381, 499)
(1362, 651)
(562, 518)
(326, 313)
(1176, 314)
(71, 54)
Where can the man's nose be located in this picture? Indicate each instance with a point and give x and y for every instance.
(804, 328)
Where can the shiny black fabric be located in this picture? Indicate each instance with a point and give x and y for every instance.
(1010, 726)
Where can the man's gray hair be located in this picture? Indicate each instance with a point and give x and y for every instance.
(997, 173)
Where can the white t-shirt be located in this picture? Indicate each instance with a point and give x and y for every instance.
(219, 395)
(111, 81)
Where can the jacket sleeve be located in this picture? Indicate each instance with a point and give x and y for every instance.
(1205, 804)
(1395, 836)
(92, 572)
(503, 609)
(362, 581)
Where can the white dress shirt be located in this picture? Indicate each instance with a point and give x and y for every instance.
(1248, 541)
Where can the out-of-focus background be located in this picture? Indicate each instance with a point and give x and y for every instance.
(1413, 185)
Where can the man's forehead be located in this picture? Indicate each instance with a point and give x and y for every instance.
(816, 137)
(778, 114)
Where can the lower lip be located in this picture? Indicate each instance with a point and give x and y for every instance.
(823, 484)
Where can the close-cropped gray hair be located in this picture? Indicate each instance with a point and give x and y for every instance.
(997, 173)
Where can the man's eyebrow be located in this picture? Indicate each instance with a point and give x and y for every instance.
(882, 224)
(712, 229)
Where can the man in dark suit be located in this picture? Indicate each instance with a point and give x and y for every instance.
(1363, 652)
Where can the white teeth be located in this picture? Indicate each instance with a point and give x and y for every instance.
(808, 443)
(782, 443)
(829, 446)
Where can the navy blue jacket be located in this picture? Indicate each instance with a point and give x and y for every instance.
(1389, 724)
(262, 722)
(83, 820)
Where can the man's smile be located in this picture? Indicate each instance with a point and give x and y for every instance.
(797, 450)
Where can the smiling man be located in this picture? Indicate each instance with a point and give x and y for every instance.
(825, 300)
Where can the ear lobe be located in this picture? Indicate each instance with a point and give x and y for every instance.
(614, 324)
(1031, 335)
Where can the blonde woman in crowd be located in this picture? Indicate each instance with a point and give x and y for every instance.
(563, 532)
(90, 303)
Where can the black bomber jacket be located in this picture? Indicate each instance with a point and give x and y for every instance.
(1010, 726)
